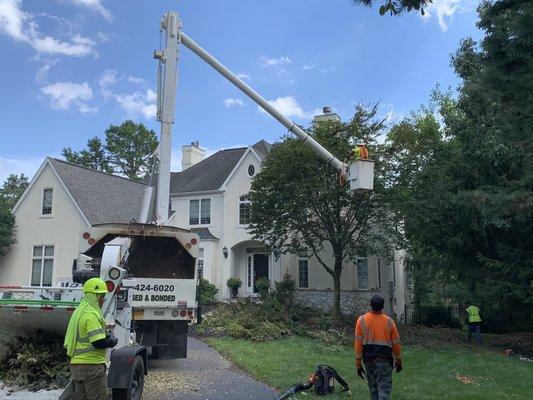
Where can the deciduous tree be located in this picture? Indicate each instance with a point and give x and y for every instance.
(298, 204)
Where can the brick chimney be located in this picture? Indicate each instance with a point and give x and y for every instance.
(327, 115)
(191, 154)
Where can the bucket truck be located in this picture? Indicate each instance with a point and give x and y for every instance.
(152, 293)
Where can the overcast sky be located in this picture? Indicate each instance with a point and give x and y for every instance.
(70, 68)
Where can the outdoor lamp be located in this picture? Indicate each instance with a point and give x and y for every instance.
(225, 252)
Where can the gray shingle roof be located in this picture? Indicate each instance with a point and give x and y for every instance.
(103, 198)
(204, 233)
(210, 174)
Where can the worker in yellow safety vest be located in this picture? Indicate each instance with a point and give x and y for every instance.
(474, 322)
(86, 342)
(359, 152)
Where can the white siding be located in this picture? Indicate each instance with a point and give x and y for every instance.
(60, 230)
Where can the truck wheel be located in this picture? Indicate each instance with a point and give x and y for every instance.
(135, 391)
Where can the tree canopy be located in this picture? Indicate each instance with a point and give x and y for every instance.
(395, 7)
(463, 187)
(128, 151)
(298, 204)
(10, 192)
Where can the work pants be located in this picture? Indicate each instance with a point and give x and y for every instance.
(89, 381)
(474, 328)
(379, 378)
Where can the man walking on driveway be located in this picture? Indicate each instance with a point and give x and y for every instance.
(474, 322)
(377, 346)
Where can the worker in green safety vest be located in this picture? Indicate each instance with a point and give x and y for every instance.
(474, 322)
(86, 342)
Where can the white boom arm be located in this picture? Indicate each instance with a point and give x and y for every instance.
(360, 172)
(265, 105)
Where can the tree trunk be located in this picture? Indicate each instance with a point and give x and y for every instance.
(336, 310)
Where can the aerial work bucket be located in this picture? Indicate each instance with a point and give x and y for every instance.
(361, 175)
(361, 171)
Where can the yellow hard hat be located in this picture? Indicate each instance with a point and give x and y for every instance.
(95, 285)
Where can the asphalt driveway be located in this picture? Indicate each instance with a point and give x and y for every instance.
(203, 375)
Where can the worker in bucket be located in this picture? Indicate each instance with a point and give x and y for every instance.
(86, 342)
(359, 152)
(377, 349)
(474, 322)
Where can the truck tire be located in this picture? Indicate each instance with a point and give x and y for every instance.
(135, 391)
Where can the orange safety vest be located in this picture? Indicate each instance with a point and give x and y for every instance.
(376, 336)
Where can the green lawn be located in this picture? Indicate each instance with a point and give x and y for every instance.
(427, 374)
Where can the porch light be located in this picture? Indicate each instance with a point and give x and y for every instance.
(225, 252)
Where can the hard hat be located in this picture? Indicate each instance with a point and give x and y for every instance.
(95, 285)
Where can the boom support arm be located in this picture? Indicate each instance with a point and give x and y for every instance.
(252, 94)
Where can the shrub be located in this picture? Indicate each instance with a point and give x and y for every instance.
(237, 331)
(234, 283)
(263, 288)
(208, 291)
(270, 331)
(284, 291)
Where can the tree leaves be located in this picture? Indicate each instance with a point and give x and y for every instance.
(128, 151)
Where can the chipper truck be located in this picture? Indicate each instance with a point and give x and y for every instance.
(150, 272)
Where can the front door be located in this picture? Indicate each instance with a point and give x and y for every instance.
(260, 268)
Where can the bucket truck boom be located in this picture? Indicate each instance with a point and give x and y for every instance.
(359, 173)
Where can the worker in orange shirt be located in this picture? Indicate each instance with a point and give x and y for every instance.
(377, 347)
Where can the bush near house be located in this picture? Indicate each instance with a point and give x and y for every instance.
(208, 292)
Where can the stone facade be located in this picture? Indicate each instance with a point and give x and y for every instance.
(353, 302)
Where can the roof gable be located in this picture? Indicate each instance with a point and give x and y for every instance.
(102, 197)
(213, 172)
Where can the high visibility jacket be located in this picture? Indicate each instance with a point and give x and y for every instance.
(473, 315)
(89, 325)
(376, 336)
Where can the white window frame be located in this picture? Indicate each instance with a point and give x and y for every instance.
(248, 170)
(242, 202)
(303, 258)
(359, 287)
(43, 215)
(199, 216)
(42, 257)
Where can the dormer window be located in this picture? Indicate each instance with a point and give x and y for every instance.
(47, 201)
(251, 170)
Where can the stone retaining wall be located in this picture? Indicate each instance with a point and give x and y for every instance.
(352, 302)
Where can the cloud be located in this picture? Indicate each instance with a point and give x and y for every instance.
(67, 95)
(19, 165)
(444, 11)
(138, 103)
(97, 6)
(324, 70)
(244, 76)
(265, 61)
(108, 77)
(289, 107)
(41, 76)
(230, 102)
(135, 79)
(21, 26)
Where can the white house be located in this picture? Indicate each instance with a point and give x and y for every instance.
(209, 197)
